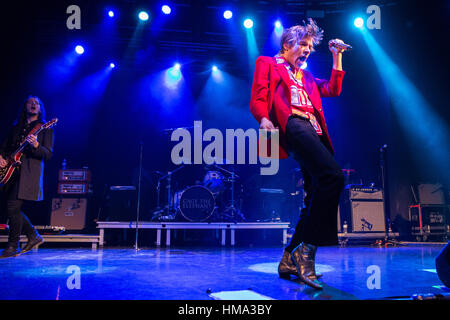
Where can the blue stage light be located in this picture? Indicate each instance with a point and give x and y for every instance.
(166, 9)
(359, 22)
(112, 65)
(214, 68)
(79, 49)
(227, 14)
(248, 23)
(111, 14)
(173, 76)
(143, 16)
(278, 31)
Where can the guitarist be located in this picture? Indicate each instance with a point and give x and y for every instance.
(26, 183)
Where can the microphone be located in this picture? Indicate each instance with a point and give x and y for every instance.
(339, 45)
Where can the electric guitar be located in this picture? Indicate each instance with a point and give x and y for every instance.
(13, 161)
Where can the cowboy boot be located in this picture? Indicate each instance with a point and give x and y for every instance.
(286, 268)
(314, 275)
(12, 250)
(303, 258)
(34, 240)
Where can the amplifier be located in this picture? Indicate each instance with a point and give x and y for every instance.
(80, 188)
(367, 216)
(121, 204)
(363, 209)
(367, 193)
(76, 175)
(69, 213)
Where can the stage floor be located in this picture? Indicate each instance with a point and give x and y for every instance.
(354, 272)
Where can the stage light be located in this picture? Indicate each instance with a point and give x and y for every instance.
(216, 74)
(173, 76)
(227, 14)
(359, 22)
(79, 49)
(111, 14)
(248, 23)
(112, 65)
(278, 31)
(166, 9)
(143, 16)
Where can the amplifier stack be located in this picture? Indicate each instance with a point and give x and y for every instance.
(69, 210)
(74, 182)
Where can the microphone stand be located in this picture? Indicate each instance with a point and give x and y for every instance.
(141, 147)
(387, 228)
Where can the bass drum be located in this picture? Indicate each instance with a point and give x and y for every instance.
(196, 204)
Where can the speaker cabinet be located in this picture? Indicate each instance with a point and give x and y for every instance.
(362, 208)
(69, 213)
(367, 216)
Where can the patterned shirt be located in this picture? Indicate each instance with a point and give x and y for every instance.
(300, 103)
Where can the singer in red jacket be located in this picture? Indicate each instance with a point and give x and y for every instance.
(287, 98)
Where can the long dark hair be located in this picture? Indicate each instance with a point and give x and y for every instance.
(22, 118)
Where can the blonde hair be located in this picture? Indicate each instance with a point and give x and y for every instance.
(294, 34)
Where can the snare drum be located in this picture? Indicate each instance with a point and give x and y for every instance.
(196, 204)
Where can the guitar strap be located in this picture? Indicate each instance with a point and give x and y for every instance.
(36, 128)
(33, 131)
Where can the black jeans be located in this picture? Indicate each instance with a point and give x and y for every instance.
(323, 184)
(18, 221)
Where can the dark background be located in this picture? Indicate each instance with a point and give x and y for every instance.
(101, 127)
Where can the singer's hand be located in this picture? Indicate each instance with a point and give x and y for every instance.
(335, 50)
(266, 124)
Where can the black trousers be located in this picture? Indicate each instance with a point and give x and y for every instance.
(323, 184)
(18, 221)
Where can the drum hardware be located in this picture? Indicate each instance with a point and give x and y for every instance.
(231, 212)
(169, 211)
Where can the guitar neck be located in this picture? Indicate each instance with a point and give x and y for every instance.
(42, 127)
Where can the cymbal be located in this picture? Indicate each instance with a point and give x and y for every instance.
(218, 161)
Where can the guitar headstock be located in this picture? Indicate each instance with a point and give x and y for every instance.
(50, 123)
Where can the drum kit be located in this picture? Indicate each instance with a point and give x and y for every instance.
(211, 200)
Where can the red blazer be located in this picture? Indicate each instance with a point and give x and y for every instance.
(271, 96)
